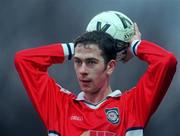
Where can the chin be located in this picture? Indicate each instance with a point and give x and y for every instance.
(89, 91)
(86, 90)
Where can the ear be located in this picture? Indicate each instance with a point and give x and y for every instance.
(111, 66)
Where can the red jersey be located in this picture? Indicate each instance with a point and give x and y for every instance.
(65, 114)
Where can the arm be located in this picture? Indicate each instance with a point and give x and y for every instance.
(32, 66)
(153, 85)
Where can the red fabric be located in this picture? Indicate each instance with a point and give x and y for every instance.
(63, 114)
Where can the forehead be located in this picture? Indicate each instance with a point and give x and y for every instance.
(87, 51)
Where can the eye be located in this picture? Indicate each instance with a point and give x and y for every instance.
(91, 62)
(77, 61)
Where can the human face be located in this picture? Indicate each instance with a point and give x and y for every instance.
(90, 68)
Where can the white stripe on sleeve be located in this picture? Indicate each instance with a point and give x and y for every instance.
(137, 132)
(134, 46)
(68, 51)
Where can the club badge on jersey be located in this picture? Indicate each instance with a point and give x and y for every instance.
(112, 115)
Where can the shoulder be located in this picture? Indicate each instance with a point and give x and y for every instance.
(64, 92)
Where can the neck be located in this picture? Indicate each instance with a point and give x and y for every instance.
(98, 95)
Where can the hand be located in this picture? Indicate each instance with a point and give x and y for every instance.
(137, 37)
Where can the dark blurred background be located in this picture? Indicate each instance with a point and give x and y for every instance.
(31, 23)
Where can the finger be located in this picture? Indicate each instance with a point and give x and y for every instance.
(136, 28)
(137, 32)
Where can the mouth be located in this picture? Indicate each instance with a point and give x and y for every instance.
(85, 81)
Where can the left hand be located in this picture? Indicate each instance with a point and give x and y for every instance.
(137, 36)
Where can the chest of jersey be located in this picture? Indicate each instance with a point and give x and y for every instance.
(105, 119)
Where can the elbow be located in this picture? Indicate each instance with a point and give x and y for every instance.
(171, 60)
(18, 58)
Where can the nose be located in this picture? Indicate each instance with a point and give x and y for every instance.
(83, 69)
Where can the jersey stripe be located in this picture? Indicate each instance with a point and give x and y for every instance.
(53, 133)
(135, 131)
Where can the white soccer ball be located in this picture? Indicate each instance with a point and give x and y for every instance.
(115, 23)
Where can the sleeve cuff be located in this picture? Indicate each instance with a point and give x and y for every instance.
(134, 46)
(68, 49)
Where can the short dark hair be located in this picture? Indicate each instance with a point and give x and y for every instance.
(103, 40)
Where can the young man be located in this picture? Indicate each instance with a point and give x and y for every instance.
(97, 110)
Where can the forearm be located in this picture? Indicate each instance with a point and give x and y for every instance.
(152, 53)
(44, 56)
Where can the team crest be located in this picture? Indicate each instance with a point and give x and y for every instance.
(113, 115)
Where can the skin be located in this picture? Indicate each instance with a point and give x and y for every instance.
(137, 36)
(92, 72)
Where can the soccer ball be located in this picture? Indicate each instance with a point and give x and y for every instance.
(115, 23)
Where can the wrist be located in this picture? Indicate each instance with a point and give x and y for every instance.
(68, 49)
(134, 45)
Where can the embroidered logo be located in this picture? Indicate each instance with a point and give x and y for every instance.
(112, 115)
(76, 118)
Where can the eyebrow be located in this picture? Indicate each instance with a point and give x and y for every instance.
(91, 58)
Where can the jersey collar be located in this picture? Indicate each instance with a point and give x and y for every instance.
(116, 93)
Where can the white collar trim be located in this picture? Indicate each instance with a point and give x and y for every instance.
(115, 93)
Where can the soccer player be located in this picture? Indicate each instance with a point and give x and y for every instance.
(97, 110)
